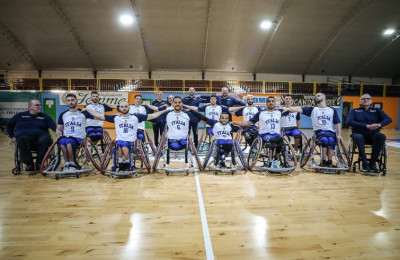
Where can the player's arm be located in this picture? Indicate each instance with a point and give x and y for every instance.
(338, 127)
(298, 122)
(152, 107)
(254, 119)
(234, 109)
(156, 114)
(108, 106)
(59, 130)
(203, 119)
(95, 114)
(193, 108)
(292, 109)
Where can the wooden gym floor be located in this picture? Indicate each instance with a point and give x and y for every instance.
(245, 216)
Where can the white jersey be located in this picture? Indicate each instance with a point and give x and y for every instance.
(178, 125)
(249, 112)
(289, 119)
(74, 124)
(99, 109)
(138, 110)
(323, 118)
(269, 121)
(126, 126)
(213, 112)
(222, 131)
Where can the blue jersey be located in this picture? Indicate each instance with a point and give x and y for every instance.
(25, 124)
(193, 101)
(359, 118)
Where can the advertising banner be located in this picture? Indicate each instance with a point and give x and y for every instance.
(113, 98)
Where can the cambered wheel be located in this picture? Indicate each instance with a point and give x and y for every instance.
(150, 141)
(254, 153)
(51, 160)
(143, 156)
(108, 155)
(307, 151)
(208, 155)
(240, 154)
(342, 155)
(94, 154)
(194, 153)
(160, 150)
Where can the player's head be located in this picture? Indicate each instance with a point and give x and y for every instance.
(319, 98)
(288, 100)
(171, 99)
(177, 102)
(159, 95)
(191, 92)
(34, 106)
(94, 95)
(224, 118)
(366, 100)
(250, 100)
(213, 100)
(124, 107)
(138, 100)
(224, 91)
(271, 103)
(72, 101)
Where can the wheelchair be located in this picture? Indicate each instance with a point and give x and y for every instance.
(246, 136)
(148, 144)
(261, 155)
(290, 139)
(313, 150)
(205, 142)
(382, 159)
(97, 148)
(138, 156)
(53, 161)
(19, 165)
(214, 159)
(166, 153)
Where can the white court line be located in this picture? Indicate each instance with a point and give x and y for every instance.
(206, 233)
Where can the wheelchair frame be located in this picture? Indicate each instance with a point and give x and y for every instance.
(312, 149)
(19, 165)
(255, 156)
(353, 150)
(190, 154)
(53, 158)
(213, 152)
(136, 153)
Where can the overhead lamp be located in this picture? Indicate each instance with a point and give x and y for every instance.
(389, 31)
(126, 19)
(265, 25)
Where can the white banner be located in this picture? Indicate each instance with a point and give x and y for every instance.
(113, 98)
(9, 109)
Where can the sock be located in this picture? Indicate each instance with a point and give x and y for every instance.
(121, 160)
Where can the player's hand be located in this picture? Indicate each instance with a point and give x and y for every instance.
(340, 138)
(13, 140)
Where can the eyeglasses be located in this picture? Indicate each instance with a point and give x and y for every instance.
(366, 98)
(37, 105)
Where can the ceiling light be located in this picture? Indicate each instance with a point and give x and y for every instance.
(265, 25)
(126, 19)
(389, 31)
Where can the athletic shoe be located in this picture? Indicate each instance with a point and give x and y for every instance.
(365, 167)
(30, 167)
(374, 168)
(275, 164)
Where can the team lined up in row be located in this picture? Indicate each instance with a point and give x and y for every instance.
(183, 117)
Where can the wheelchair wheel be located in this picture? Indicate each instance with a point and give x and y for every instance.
(307, 151)
(254, 153)
(16, 171)
(203, 135)
(239, 153)
(287, 157)
(342, 155)
(94, 154)
(383, 160)
(52, 159)
(160, 150)
(208, 155)
(150, 142)
(193, 150)
(108, 155)
(141, 147)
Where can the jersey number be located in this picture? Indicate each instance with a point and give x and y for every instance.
(125, 130)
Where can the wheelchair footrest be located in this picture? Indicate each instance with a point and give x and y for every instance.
(178, 169)
(69, 172)
(278, 170)
(314, 166)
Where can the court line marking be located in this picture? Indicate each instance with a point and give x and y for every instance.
(204, 224)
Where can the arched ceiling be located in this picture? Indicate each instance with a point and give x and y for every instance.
(329, 37)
